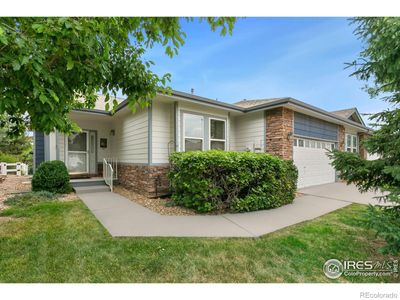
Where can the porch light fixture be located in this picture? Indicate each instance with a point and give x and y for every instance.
(112, 132)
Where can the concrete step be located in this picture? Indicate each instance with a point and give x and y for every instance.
(92, 189)
(97, 181)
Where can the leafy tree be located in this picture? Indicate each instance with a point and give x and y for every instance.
(10, 143)
(14, 147)
(49, 66)
(379, 66)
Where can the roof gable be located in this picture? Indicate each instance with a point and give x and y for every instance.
(351, 114)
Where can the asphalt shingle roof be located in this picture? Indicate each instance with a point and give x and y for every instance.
(250, 103)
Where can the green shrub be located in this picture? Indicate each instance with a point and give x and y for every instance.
(9, 158)
(385, 220)
(30, 198)
(227, 180)
(51, 176)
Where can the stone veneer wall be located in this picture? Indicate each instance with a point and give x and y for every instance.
(279, 139)
(148, 180)
(341, 138)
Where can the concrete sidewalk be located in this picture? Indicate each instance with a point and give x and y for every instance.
(122, 217)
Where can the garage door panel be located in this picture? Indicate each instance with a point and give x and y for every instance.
(313, 165)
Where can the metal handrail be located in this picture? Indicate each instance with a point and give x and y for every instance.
(108, 174)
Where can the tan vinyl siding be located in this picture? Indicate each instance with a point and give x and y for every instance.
(203, 109)
(233, 134)
(60, 146)
(248, 132)
(130, 143)
(162, 131)
(350, 130)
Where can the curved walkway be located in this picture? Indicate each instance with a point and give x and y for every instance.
(122, 217)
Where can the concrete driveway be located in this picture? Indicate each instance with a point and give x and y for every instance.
(341, 191)
(122, 217)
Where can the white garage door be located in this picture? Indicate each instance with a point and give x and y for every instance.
(313, 164)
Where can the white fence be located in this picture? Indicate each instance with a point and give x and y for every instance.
(15, 168)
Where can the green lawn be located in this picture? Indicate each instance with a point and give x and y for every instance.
(63, 242)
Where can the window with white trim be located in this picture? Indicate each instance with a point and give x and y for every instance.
(351, 143)
(217, 134)
(193, 131)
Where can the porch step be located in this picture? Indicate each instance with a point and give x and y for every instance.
(87, 182)
(92, 189)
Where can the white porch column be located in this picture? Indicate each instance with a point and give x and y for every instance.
(50, 147)
(53, 146)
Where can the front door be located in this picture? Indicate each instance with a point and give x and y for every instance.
(78, 153)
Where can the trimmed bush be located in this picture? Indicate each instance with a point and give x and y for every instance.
(51, 176)
(226, 180)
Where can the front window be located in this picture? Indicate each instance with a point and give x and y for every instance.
(217, 134)
(193, 132)
(351, 143)
(77, 142)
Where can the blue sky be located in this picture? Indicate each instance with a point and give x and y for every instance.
(303, 58)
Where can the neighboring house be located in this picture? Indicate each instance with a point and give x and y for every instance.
(141, 141)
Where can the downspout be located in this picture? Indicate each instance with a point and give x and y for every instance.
(175, 125)
(149, 135)
(265, 131)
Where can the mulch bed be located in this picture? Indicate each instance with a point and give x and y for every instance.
(68, 197)
(158, 205)
(11, 185)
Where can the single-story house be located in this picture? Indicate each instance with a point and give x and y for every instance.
(141, 141)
